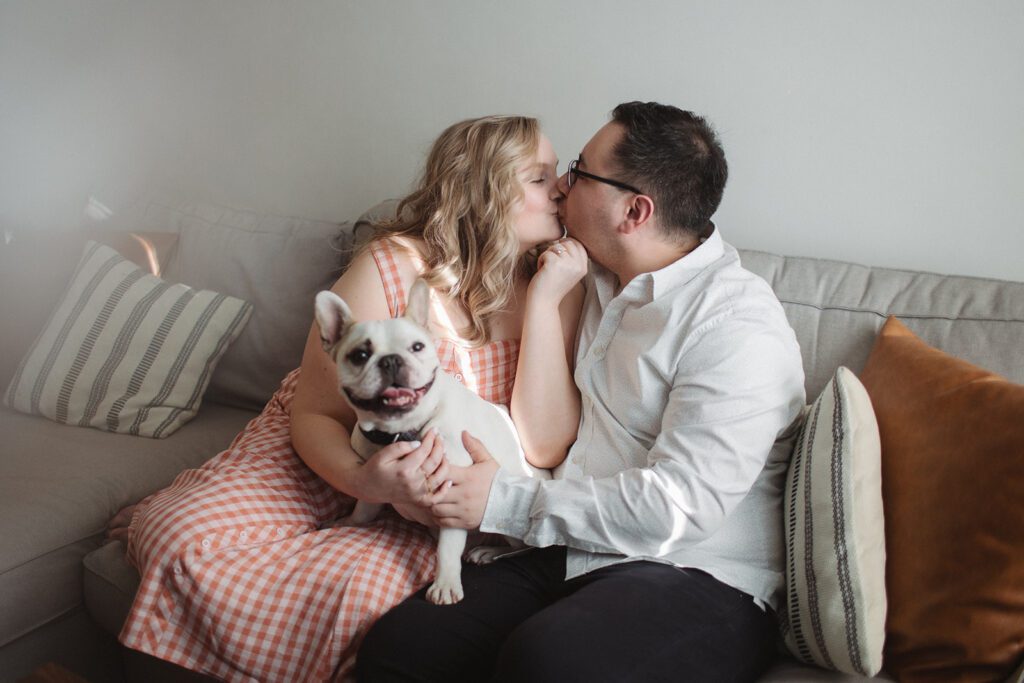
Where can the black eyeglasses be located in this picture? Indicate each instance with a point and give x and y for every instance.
(575, 171)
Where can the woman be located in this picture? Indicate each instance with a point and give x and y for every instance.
(239, 580)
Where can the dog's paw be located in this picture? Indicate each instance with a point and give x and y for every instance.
(445, 592)
(485, 554)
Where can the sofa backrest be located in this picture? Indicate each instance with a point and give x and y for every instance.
(279, 263)
(837, 308)
(276, 263)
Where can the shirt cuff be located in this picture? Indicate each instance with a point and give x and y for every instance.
(509, 503)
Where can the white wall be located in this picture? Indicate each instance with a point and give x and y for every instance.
(889, 133)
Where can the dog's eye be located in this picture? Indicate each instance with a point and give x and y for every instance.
(417, 347)
(358, 357)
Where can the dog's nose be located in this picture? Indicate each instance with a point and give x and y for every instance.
(391, 363)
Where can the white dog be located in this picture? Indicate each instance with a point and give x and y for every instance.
(389, 372)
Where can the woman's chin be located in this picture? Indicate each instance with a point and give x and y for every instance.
(554, 233)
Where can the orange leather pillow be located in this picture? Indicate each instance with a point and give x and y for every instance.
(953, 493)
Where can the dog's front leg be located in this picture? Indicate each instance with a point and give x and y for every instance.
(447, 588)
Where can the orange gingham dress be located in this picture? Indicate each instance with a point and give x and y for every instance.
(238, 579)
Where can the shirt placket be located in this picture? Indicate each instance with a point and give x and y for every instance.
(610, 321)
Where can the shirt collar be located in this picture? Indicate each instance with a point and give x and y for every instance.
(647, 287)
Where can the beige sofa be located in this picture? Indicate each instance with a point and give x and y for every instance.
(64, 594)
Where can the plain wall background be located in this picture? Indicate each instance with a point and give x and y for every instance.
(879, 132)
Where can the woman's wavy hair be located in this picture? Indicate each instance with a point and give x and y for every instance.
(462, 211)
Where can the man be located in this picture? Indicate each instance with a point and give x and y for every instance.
(658, 544)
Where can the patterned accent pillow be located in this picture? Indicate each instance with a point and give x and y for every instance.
(834, 614)
(126, 351)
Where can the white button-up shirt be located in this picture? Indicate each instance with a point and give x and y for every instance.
(691, 384)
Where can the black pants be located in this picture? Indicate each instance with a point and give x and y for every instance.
(522, 621)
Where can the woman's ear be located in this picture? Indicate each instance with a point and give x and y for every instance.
(418, 307)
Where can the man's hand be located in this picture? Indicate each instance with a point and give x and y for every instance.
(462, 504)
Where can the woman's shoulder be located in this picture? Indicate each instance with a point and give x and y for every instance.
(383, 256)
(378, 276)
(402, 254)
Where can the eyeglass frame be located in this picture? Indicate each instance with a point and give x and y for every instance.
(574, 170)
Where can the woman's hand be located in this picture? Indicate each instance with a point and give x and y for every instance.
(406, 473)
(117, 528)
(559, 268)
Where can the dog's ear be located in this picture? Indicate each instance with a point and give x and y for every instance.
(333, 317)
(418, 307)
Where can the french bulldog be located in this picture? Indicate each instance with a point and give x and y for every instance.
(389, 372)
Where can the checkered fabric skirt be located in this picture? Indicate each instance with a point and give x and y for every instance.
(238, 579)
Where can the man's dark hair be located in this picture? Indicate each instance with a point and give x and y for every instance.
(676, 158)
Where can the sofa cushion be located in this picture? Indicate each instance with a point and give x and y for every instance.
(34, 272)
(787, 670)
(59, 486)
(953, 488)
(834, 613)
(837, 308)
(110, 586)
(126, 351)
(278, 264)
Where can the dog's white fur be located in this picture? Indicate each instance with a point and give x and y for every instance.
(410, 391)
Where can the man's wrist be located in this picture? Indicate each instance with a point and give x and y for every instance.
(509, 503)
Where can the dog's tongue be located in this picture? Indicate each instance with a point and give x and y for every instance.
(399, 392)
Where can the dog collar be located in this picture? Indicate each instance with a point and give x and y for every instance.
(382, 438)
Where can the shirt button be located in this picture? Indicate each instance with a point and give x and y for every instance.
(243, 536)
(458, 376)
(206, 543)
(177, 569)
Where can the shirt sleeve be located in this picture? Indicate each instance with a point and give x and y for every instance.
(737, 388)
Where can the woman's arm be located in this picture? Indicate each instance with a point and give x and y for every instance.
(545, 401)
(321, 420)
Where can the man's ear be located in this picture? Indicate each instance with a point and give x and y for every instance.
(418, 307)
(638, 216)
(333, 317)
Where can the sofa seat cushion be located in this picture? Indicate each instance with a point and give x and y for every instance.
(110, 586)
(786, 670)
(60, 485)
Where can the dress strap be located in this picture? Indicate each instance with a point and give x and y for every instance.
(394, 292)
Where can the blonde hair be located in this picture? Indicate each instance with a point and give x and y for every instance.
(461, 210)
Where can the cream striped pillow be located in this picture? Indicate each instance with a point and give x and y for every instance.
(126, 351)
(834, 614)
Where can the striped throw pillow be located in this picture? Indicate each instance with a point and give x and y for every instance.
(125, 351)
(834, 613)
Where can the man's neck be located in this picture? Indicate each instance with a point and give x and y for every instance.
(651, 256)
